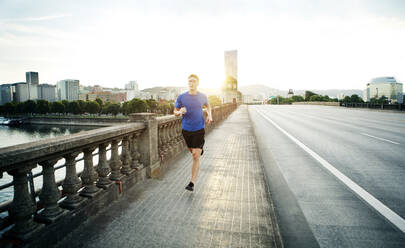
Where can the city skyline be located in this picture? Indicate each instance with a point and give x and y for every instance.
(281, 44)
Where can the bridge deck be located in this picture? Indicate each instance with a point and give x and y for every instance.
(230, 205)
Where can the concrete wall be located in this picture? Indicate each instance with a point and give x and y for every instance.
(317, 103)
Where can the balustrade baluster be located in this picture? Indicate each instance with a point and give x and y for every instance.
(22, 208)
(136, 164)
(171, 139)
(89, 174)
(50, 194)
(160, 141)
(126, 157)
(180, 135)
(166, 140)
(102, 168)
(115, 162)
(72, 183)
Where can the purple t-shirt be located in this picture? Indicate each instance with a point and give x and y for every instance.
(193, 120)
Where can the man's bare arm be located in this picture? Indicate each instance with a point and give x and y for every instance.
(209, 114)
(179, 111)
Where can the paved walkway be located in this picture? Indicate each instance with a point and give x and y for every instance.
(230, 205)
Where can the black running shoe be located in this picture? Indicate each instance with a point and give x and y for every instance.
(190, 186)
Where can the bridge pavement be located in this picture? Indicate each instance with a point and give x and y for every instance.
(230, 205)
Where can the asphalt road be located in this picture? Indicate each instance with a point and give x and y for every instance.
(337, 175)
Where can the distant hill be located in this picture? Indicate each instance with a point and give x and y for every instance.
(261, 90)
(156, 90)
(258, 91)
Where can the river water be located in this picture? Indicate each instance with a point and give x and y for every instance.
(10, 136)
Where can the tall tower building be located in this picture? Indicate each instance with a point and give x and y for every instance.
(32, 77)
(32, 80)
(68, 89)
(132, 90)
(230, 93)
(231, 65)
(132, 85)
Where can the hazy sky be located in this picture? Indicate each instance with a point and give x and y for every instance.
(299, 44)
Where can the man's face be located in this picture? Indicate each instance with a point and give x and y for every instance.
(192, 83)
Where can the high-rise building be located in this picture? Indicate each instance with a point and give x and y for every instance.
(132, 85)
(6, 93)
(32, 80)
(32, 77)
(47, 92)
(230, 91)
(20, 92)
(231, 64)
(68, 89)
(132, 90)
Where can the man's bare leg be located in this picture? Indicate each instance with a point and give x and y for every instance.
(196, 152)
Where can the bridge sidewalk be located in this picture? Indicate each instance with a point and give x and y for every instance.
(230, 205)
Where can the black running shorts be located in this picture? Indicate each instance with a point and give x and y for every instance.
(194, 139)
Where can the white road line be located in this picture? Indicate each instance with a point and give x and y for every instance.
(393, 142)
(390, 215)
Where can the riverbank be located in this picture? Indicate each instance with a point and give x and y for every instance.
(75, 121)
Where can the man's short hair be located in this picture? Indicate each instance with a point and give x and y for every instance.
(194, 76)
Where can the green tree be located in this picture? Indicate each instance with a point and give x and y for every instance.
(164, 107)
(57, 107)
(66, 104)
(74, 108)
(10, 108)
(113, 108)
(93, 107)
(19, 107)
(30, 106)
(356, 99)
(382, 100)
(125, 108)
(82, 105)
(308, 95)
(346, 99)
(100, 102)
(316, 98)
(297, 99)
(137, 106)
(280, 100)
(214, 100)
(152, 105)
(43, 106)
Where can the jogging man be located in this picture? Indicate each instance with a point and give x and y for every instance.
(189, 105)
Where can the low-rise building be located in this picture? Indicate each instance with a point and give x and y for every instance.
(107, 96)
(384, 86)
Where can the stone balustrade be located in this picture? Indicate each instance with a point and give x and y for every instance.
(147, 142)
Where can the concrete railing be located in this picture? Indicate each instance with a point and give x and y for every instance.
(400, 107)
(317, 103)
(147, 142)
